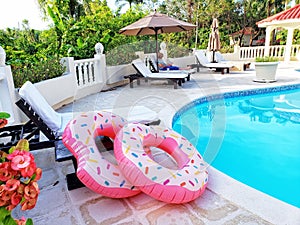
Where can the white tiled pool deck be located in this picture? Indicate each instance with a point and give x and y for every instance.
(224, 202)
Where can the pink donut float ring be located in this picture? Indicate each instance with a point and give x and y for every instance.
(179, 185)
(93, 170)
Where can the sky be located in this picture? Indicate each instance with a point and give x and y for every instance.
(13, 12)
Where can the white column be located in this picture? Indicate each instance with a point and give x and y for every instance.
(7, 90)
(8, 95)
(268, 39)
(288, 46)
(2, 56)
(236, 52)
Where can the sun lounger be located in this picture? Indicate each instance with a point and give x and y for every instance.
(202, 61)
(240, 65)
(54, 121)
(154, 69)
(144, 72)
(42, 118)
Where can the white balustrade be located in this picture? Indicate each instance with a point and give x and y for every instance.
(250, 53)
(295, 50)
(85, 71)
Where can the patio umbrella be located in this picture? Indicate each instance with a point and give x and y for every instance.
(154, 24)
(214, 43)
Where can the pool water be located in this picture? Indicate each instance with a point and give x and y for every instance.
(254, 139)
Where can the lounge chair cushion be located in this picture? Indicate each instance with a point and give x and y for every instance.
(203, 60)
(176, 69)
(145, 71)
(39, 104)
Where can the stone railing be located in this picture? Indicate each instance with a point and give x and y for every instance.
(250, 53)
(295, 51)
(85, 72)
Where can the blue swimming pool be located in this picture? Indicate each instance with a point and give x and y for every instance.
(252, 136)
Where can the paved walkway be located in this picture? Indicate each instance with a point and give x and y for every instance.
(57, 205)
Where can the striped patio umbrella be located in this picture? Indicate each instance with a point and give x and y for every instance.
(214, 43)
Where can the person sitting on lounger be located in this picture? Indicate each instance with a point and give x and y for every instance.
(167, 66)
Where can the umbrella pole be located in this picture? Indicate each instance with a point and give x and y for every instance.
(156, 49)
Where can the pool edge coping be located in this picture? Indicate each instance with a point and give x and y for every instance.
(265, 206)
(233, 94)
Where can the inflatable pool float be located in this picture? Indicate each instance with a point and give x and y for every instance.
(132, 147)
(94, 170)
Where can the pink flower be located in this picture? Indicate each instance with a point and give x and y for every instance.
(20, 189)
(19, 159)
(5, 171)
(15, 199)
(28, 204)
(31, 191)
(12, 185)
(6, 195)
(38, 173)
(29, 170)
(3, 196)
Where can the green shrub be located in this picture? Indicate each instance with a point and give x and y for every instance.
(125, 54)
(227, 49)
(35, 72)
(176, 51)
(266, 59)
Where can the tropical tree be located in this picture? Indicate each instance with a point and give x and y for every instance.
(122, 3)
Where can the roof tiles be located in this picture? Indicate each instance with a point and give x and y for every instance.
(292, 13)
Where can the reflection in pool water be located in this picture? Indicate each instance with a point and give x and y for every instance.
(256, 140)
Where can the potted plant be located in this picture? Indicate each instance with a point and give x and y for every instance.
(266, 68)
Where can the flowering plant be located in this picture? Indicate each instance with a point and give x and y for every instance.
(18, 182)
(3, 119)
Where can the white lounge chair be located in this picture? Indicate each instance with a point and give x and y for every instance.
(144, 72)
(153, 65)
(56, 122)
(239, 64)
(204, 62)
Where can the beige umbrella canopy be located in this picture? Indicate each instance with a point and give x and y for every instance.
(154, 24)
(214, 43)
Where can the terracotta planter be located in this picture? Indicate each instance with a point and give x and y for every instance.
(266, 71)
